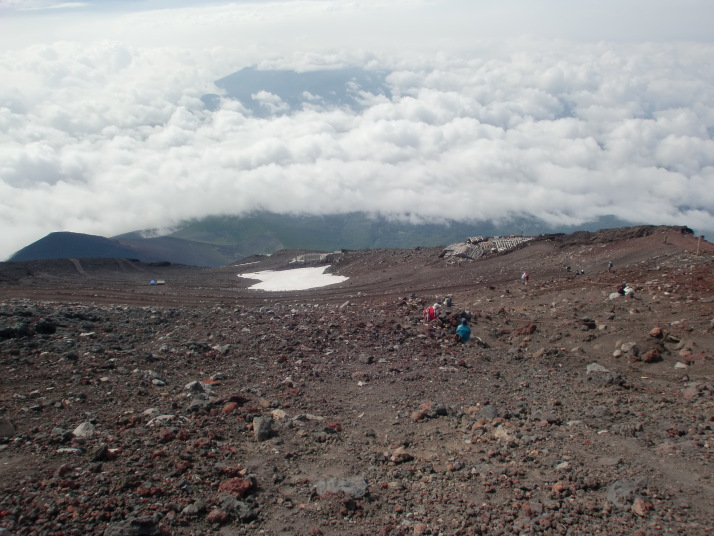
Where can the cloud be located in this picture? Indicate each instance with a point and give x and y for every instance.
(109, 136)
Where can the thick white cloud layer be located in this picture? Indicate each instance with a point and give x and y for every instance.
(106, 133)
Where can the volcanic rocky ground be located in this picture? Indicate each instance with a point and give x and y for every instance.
(202, 407)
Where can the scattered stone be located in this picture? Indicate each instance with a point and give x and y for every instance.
(84, 430)
(601, 376)
(641, 507)
(355, 487)
(238, 509)
(596, 367)
(166, 435)
(195, 387)
(656, 333)
(692, 390)
(135, 526)
(651, 356)
(63, 470)
(7, 429)
(238, 487)
(70, 450)
(262, 428)
(45, 326)
(229, 408)
(161, 420)
(488, 412)
(191, 510)
(400, 455)
(526, 330)
(218, 516)
(102, 453)
(502, 434)
(200, 404)
(222, 349)
(278, 414)
(623, 492)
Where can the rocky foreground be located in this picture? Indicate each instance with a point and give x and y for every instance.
(573, 411)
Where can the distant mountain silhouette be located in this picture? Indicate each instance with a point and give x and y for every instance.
(73, 245)
(160, 249)
(281, 91)
(221, 240)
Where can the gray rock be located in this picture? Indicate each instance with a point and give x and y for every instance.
(195, 387)
(222, 348)
(19, 330)
(45, 326)
(623, 492)
(69, 450)
(488, 412)
(101, 453)
(366, 359)
(7, 429)
(439, 410)
(160, 420)
(240, 509)
(263, 428)
(199, 404)
(84, 430)
(61, 435)
(631, 348)
(596, 367)
(355, 487)
(137, 526)
(549, 416)
(151, 375)
(599, 411)
(191, 510)
(601, 376)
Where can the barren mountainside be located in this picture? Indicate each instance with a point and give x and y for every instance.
(201, 406)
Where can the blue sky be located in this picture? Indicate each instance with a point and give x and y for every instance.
(565, 111)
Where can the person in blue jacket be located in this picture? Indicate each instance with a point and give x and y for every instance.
(463, 332)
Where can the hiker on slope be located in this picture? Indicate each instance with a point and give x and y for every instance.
(463, 332)
(430, 313)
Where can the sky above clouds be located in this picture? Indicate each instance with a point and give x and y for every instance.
(564, 111)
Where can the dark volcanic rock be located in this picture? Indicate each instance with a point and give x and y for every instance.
(137, 526)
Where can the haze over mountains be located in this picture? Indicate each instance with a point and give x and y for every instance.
(218, 241)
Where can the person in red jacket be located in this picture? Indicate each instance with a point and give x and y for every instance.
(430, 313)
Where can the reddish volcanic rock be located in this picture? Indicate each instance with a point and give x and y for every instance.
(238, 487)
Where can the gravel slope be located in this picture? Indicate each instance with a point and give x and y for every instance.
(201, 407)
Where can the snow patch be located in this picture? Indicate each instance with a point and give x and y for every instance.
(296, 279)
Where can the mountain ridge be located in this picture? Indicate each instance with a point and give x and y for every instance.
(220, 240)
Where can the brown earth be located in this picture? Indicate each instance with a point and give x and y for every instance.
(211, 408)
